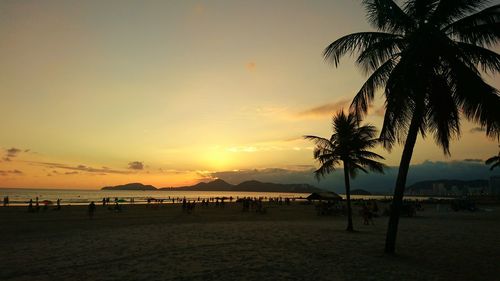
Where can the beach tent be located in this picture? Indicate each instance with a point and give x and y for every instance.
(327, 196)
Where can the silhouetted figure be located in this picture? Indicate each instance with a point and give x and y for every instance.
(30, 206)
(37, 205)
(375, 207)
(58, 206)
(91, 209)
(6, 201)
(367, 215)
(104, 201)
(184, 204)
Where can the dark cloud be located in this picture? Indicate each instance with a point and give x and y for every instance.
(12, 152)
(81, 168)
(379, 111)
(325, 110)
(251, 66)
(382, 183)
(71, 173)
(136, 165)
(11, 172)
(477, 130)
(474, 160)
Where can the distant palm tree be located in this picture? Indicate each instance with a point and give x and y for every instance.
(425, 56)
(494, 162)
(349, 144)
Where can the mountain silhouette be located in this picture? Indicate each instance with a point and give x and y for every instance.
(252, 185)
(130, 186)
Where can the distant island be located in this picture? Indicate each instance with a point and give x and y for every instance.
(130, 186)
(221, 185)
(360, 192)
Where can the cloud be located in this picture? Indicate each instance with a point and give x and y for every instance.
(474, 160)
(11, 172)
(71, 173)
(325, 110)
(199, 9)
(379, 111)
(81, 168)
(477, 130)
(136, 165)
(251, 66)
(11, 153)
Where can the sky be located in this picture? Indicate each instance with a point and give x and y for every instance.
(170, 93)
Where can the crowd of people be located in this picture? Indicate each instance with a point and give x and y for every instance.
(369, 208)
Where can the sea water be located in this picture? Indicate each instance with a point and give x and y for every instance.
(21, 196)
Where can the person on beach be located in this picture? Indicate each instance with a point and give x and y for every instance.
(37, 205)
(30, 206)
(6, 201)
(104, 201)
(91, 209)
(58, 204)
(367, 215)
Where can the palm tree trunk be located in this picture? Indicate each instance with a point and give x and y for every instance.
(397, 200)
(348, 197)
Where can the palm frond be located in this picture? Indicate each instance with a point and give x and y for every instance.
(386, 15)
(442, 113)
(492, 160)
(364, 98)
(353, 43)
(420, 10)
(481, 28)
(487, 59)
(450, 10)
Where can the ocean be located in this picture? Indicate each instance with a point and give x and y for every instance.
(21, 196)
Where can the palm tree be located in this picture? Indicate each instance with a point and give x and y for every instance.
(495, 160)
(349, 144)
(425, 56)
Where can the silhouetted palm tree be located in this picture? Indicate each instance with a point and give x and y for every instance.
(494, 162)
(425, 56)
(349, 144)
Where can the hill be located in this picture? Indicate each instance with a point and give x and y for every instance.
(360, 192)
(130, 186)
(253, 185)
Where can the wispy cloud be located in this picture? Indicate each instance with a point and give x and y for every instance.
(477, 130)
(136, 165)
(11, 172)
(251, 66)
(12, 153)
(82, 168)
(325, 110)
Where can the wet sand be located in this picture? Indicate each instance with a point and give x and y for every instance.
(287, 243)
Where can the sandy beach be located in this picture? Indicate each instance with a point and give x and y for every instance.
(286, 243)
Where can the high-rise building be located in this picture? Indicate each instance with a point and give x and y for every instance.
(494, 188)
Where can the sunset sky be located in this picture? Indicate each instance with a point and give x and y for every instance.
(169, 93)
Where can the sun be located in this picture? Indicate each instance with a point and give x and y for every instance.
(217, 159)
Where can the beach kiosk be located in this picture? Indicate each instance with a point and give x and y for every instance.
(324, 196)
(328, 203)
